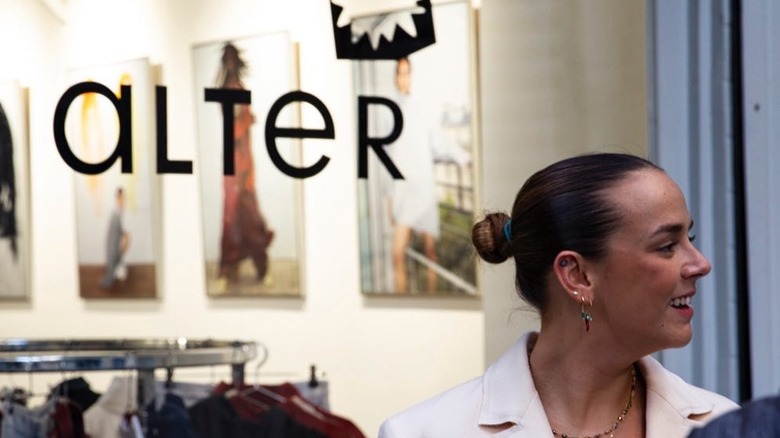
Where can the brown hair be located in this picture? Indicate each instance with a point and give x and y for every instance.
(561, 207)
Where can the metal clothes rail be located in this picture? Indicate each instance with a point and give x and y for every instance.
(142, 355)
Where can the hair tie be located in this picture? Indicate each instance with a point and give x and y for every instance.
(508, 230)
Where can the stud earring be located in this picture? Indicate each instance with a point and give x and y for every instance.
(585, 315)
(564, 262)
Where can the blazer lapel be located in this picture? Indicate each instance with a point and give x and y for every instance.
(672, 406)
(664, 420)
(510, 404)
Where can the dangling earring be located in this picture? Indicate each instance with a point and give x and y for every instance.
(585, 315)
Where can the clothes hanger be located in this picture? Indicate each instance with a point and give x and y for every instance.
(63, 387)
(169, 379)
(245, 393)
(257, 386)
(262, 360)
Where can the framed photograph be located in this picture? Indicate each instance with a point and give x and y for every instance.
(116, 213)
(14, 193)
(252, 219)
(415, 232)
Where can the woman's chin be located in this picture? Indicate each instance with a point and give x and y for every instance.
(681, 339)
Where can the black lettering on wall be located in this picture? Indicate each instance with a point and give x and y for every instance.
(272, 132)
(229, 98)
(123, 150)
(364, 141)
(164, 165)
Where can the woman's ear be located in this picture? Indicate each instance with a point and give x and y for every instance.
(570, 273)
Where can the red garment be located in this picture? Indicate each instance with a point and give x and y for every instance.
(322, 421)
(252, 403)
(245, 233)
(67, 420)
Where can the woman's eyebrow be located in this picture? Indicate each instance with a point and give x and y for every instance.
(670, 228)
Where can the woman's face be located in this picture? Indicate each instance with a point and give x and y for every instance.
(644, 285)
(403, 76)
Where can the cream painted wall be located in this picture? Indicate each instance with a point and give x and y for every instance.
(380, 355)
(558, 78)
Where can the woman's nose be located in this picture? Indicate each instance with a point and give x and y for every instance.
(698, 266)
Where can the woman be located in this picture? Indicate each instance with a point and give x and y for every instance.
(245, 233)
(413, 201)
(602, 249)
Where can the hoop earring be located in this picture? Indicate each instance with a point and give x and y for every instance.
(584, 314)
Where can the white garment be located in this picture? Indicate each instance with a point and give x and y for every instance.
(104, 418)
(504, 403)
(414, 199)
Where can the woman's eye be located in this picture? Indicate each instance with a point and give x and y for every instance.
(668, 247)
(691, 238)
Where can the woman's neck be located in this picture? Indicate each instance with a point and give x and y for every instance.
(583, 386)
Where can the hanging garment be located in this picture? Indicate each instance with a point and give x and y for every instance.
(278, 423)
(76, 390)
(22, 422)
(314, 394)
(216, 417)
(253, 402)
(330, 425)
(67, 420)
(103, 419)
(130, 427)
(171, 420)
(189, 392)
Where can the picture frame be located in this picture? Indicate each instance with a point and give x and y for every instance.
(252, 220)
(117, 214)
(415, 232)
(15, 229)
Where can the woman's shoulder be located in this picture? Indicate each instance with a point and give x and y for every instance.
(452, 410)
(481, 406)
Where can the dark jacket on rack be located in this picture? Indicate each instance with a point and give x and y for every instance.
(77, 390)
(266, 412)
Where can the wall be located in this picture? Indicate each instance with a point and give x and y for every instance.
(575, 82)
(380, 355)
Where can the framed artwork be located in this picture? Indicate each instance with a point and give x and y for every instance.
(116, 213)
(14, 193)
(252, 218)
(415, 232)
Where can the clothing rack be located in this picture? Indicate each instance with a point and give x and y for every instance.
(142, 355)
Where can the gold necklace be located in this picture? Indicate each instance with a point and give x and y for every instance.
(611, 431)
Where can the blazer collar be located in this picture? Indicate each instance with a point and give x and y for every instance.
(510, 400)
(673, 406)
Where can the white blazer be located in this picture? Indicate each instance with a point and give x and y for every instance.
(504, 403)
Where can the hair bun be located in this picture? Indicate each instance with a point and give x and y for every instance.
(488, 238)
